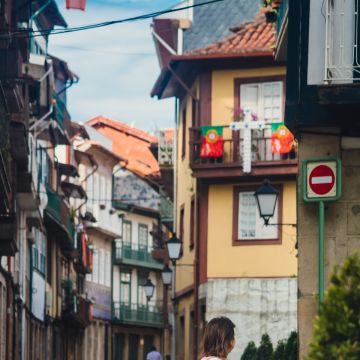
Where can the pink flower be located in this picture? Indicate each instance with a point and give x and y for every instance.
(254, 116)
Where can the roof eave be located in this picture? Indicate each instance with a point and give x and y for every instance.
(165, 76)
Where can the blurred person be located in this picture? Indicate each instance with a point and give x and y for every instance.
(153, 354)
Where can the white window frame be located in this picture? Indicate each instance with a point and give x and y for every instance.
(260, 110)
(262, 232)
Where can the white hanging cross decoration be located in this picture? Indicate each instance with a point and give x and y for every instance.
(247, 125)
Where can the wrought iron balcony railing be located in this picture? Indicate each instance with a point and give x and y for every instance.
(60, 215)
(342, 57)
(233, 150)
(136, 314)
(77, 310)
(134, 255)
(84, 255)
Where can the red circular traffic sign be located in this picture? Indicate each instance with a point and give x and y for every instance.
(321, 179)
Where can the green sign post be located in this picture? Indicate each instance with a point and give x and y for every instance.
(321, 182)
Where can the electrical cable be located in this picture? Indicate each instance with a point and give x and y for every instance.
(46, 32)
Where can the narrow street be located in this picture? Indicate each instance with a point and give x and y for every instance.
(179, 180)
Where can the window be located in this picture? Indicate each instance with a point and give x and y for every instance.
(127, 232)
(264, 98)
(125, 287)
(192, 223)
(107, 268)
(141, 292)
(95, 272)
(143, 237)
(101, 267)
(183, 146)
(102, 191)
(249, 228)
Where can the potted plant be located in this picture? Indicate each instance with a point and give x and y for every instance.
(270, 11)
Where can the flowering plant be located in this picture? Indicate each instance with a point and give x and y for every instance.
(239, 114)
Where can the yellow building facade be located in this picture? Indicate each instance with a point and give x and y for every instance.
(232, 264)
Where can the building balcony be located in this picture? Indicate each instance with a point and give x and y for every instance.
(8, 245)
(281, 30)
(136, 314)
(5, 186)
(230, 164)
(83, 259)
(131, 254)
(76, 310)
(62, 120)
(342, 64)
(59, 220)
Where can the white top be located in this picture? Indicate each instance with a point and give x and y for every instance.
(210, 358)
(154, 355)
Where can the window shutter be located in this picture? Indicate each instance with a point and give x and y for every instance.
(101, 267)
(107, 268)
(95, 273)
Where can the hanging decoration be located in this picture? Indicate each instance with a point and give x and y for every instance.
(212, 142)
(76, 4)
(281, 139)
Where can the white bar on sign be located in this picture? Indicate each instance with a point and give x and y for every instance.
(321, 180)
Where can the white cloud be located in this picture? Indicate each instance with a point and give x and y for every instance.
(117, 65)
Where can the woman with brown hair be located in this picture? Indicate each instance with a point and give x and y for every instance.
(218, 339)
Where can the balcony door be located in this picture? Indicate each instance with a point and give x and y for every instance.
(265, 99)
(143, 241)
(125, 288)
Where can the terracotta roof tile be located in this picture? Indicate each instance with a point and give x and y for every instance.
(131, 144)
(130, 130)
(249, 38)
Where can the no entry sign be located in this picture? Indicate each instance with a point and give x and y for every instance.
(321, 179)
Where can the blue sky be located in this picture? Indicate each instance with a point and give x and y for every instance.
(117, 65)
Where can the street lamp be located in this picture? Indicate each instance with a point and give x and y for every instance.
(174, 248)
(266, 197)
(149, 288)
(166, 275)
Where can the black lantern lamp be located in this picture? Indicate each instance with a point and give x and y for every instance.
(149, 288)
(266, 197)
(174, 248)
(166, 275)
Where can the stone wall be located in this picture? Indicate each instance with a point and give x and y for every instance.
(342, 227)
(256, 306)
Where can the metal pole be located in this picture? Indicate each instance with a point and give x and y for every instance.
(173, 337)
(321, 251)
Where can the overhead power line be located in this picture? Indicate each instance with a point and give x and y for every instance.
(47, 32)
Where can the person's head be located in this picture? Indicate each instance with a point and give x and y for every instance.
(152, 348)
(219, 337)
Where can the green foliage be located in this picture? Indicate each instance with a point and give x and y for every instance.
(285, 349)
(337, 327)
(249, 352)
(291, 348)
(279, 352)
(265, 350)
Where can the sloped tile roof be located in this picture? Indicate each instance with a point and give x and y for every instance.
(211, 22)
(249, 38)
(130, 130)
(131, 144)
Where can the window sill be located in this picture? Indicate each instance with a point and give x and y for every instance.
(240, 242)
